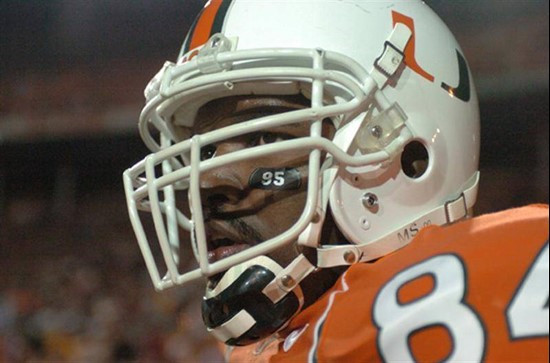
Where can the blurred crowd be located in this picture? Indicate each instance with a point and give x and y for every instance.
(76, 289)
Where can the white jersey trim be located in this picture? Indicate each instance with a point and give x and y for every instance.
(312, 356)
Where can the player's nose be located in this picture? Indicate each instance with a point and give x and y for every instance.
(225, 186)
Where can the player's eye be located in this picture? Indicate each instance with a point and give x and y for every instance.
(268, 138)
(208, 152)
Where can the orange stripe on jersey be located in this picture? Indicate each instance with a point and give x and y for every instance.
(205, 23)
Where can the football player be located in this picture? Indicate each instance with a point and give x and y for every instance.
(320, 161)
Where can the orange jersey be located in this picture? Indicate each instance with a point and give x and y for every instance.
(473, 291)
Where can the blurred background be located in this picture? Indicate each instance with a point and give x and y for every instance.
(73, 286)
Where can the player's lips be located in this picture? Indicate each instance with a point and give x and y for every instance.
(225, 251)
(224, 240)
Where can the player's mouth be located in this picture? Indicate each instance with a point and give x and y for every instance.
(224, 247)
(225, 240)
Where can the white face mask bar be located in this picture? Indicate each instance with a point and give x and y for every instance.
(176, 83)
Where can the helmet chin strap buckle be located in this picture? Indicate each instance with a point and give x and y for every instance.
(456, 210)
(386, 66)
(450, 212)
(289, 279)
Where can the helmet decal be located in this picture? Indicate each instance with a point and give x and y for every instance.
(410, 59)
(209, 22)
(462, 91)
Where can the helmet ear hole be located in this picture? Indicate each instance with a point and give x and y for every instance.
(415, 159)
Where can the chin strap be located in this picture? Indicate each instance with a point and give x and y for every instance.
(287, 280)
(332, 256)
(238, 321)
(450, 212)
(392, 56)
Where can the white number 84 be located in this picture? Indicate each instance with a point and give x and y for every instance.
(527, 315)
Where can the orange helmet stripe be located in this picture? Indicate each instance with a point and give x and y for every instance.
(209, 22)
(204, 24)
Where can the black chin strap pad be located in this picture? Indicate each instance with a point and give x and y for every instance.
(245, 293)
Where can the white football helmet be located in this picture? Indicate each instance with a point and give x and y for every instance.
(390, 76)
